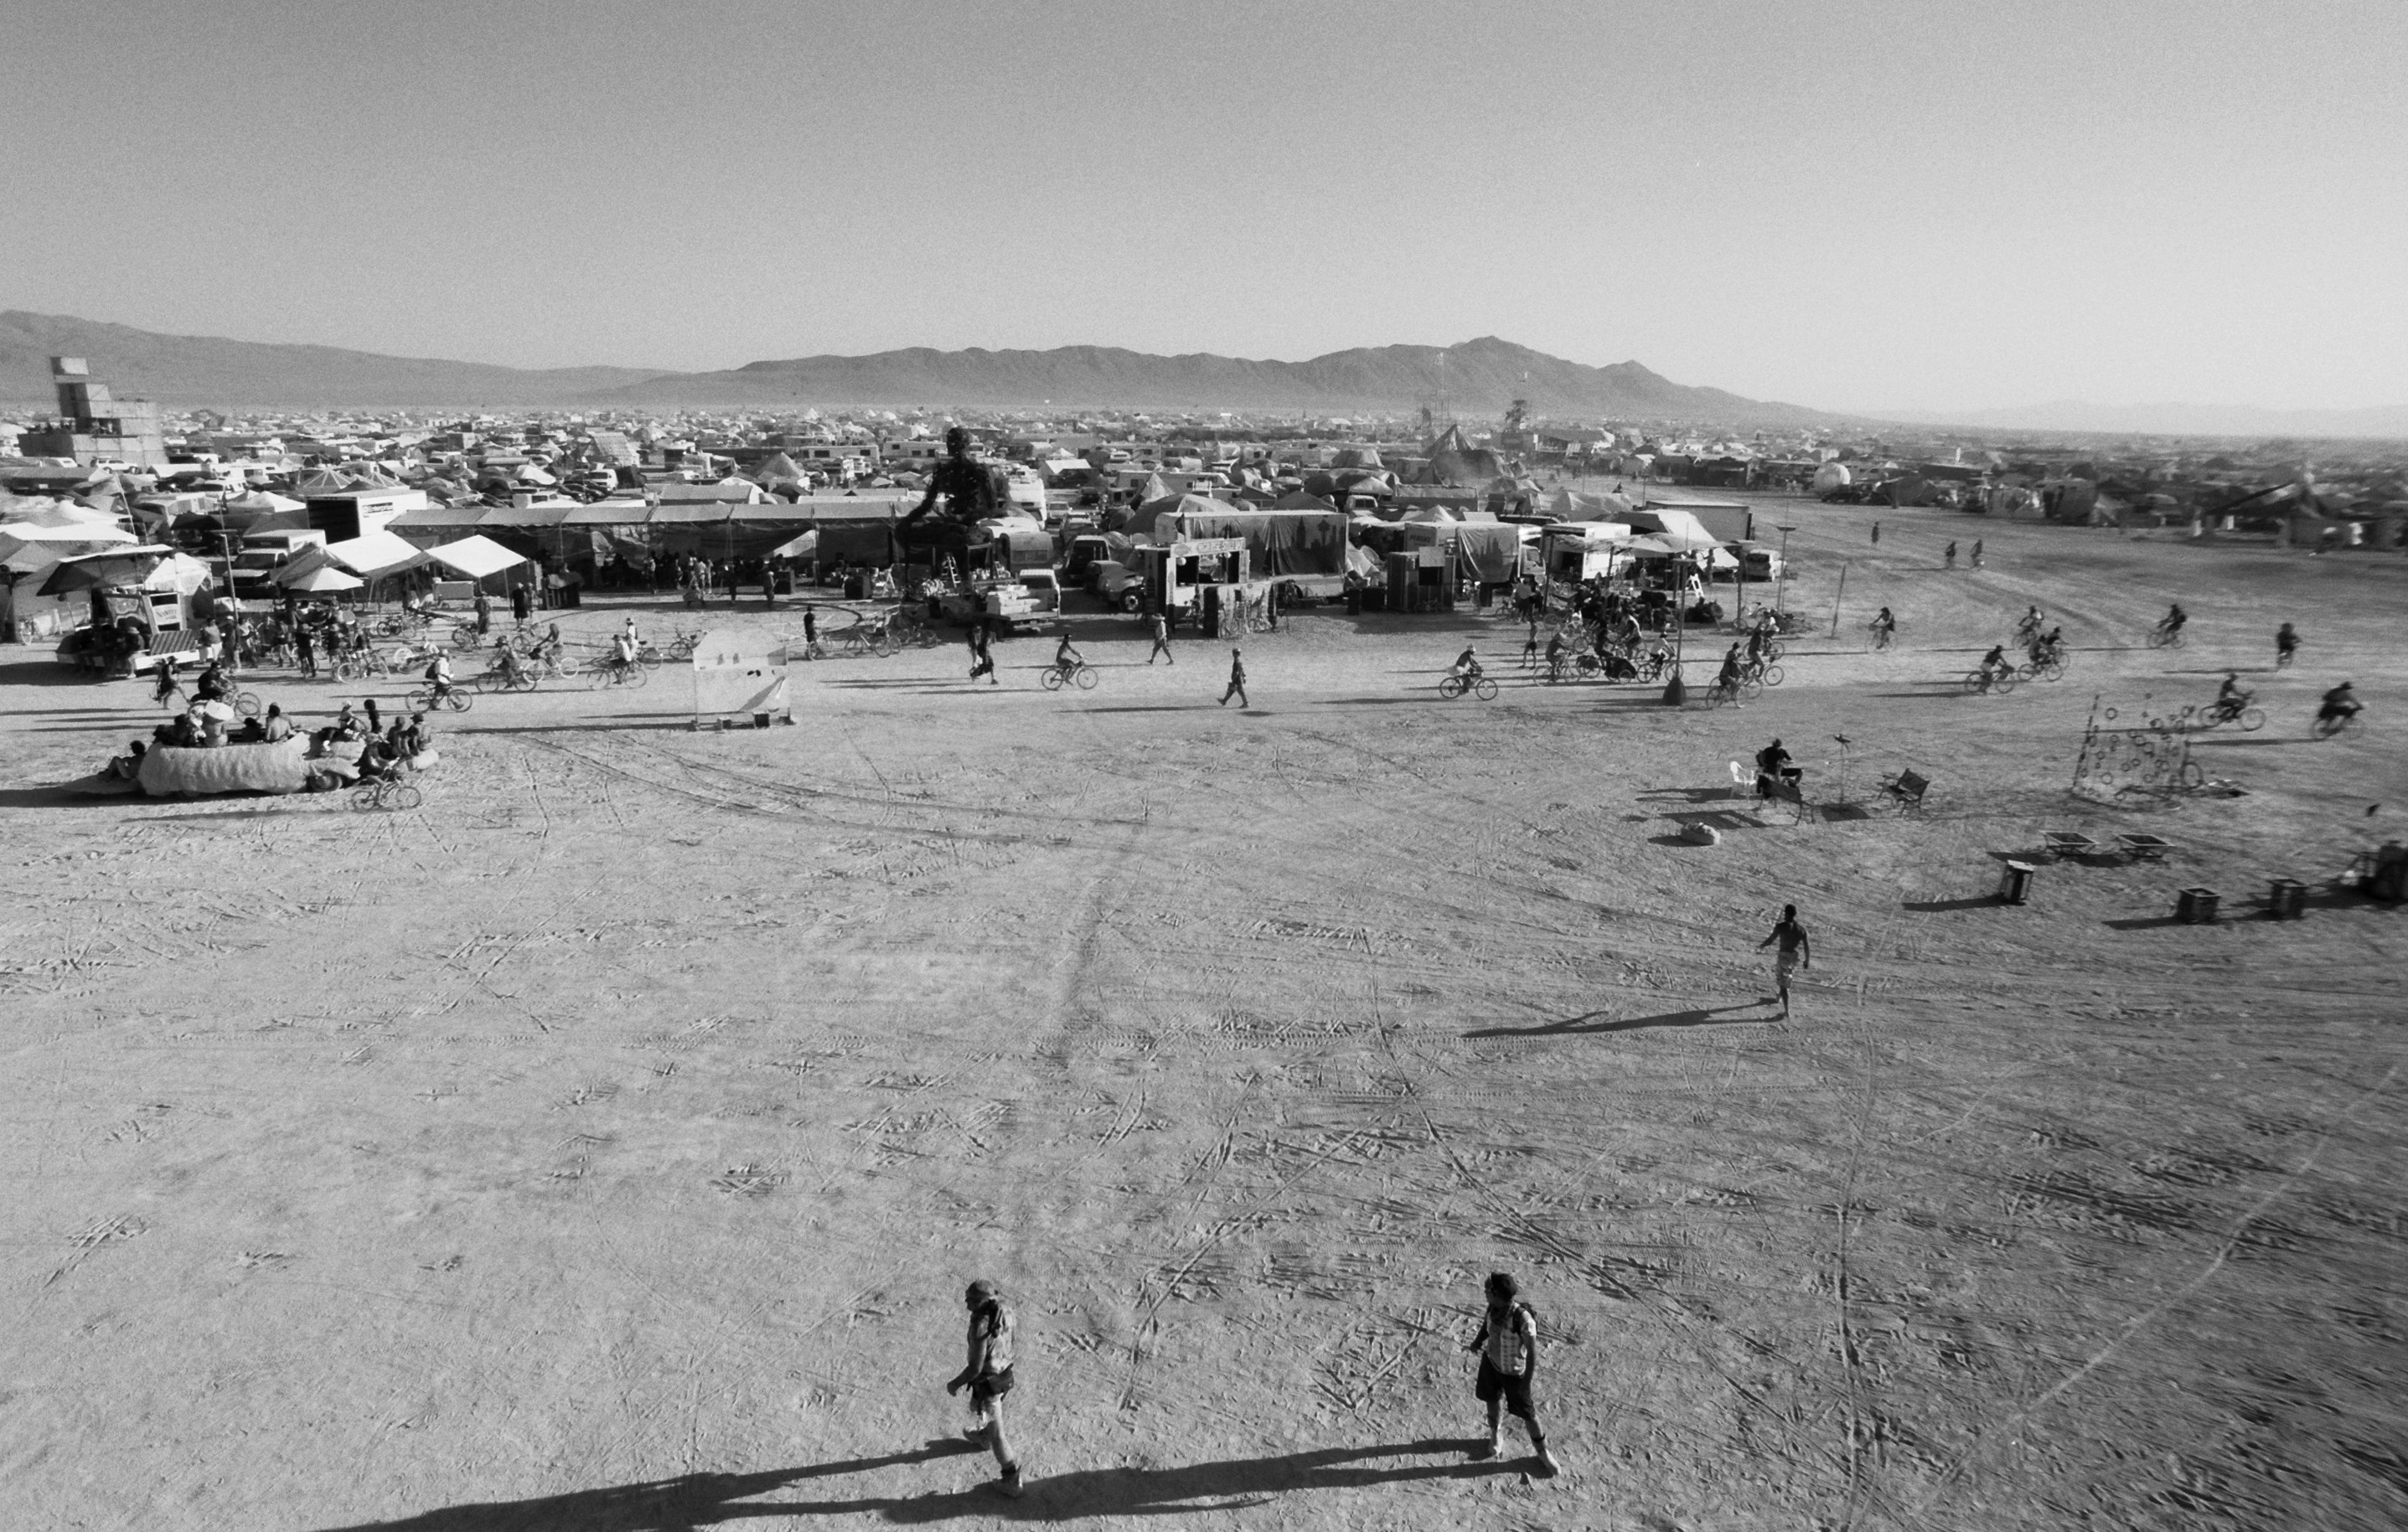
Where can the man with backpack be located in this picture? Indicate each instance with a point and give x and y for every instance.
(1508, 1344)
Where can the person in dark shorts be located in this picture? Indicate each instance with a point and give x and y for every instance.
(1795, 949)
(1508, 1344)
(988, 1377)
(1237, 680)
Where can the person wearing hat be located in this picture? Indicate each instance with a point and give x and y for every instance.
(988, 1377)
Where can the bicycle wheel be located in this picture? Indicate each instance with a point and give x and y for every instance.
(1052, 679)
(2026, 672)
(2005, 683)
(522, 682)
(1774, 674)
(648, 657)
(2052, 668)
(246, 703)
(2283, 659)
(463, 638)
(1087, 679)
(403, 796)
(365, 796)
(598, 675)
(420, 700)
(1975, 683)
(1484, 689)
(635, 676)
(1450, 687)
(2252, 720)
(458, 700)
(1750, 689)
(887, 646)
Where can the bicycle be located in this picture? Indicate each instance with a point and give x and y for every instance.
(1723, 693)
(426, 699)
(611, 672)
(1883, 636)
(1979, 681)
(464, 635)
(2048, 665)
(2283, 657)
(386, 792)
(1451, 685)
(871, 638)
(2250, 719)
(2165, 636)
(1765, 672)
(1077, 671)
(2335, 725)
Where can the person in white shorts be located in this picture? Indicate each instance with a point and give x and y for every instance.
(1795, 949)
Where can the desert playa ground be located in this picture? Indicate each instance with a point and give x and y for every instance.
(605, 1145)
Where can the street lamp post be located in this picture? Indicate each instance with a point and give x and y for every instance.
(1781, 581)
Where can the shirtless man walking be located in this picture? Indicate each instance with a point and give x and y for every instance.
(1795, 949)
(988, 1377)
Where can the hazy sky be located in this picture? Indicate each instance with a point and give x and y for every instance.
(1894, 204)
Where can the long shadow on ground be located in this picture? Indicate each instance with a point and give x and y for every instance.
(1598, 1021)
(708, 1500)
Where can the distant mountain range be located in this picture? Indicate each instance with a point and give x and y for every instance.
(2074, 417)
(1478, 376)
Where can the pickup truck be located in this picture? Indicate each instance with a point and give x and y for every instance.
(1117, 584)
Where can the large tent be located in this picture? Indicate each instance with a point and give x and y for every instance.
(477, 559)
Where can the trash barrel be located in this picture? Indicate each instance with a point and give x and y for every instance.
(2196, 906)
(2016, 885)
(1675, 693)
(1355, 602)
(2286, 899)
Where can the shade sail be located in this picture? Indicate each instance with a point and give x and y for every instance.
(475, 557)
(323, 578)
(375, 553)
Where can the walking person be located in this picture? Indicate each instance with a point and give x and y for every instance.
(1877, 533)
(1161, 629)
(983, 653)
(1530, 646)
(522, 604)
(1948, 558)
(1795, 949)
(168, 686)
(1977, 553)
(485, 612)
(1237, 680)
(988, 1377)
(1508, 1344)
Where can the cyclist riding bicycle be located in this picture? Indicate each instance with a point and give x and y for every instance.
(1555, 652)
(1066, 658)
(2232, 696)
(1466, 665)
(1885, 626)
(438, 675)
(1994, 665)
(507, 660)
(1727, 677)
(2341, 702)
(2028, 627)
(2048, 646)
(2175, 619)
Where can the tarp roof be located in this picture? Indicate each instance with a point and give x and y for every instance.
(373, 554)
(551, 515)
(441, 518)
(475, 557)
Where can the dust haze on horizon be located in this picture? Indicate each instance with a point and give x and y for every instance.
(1873, 208)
